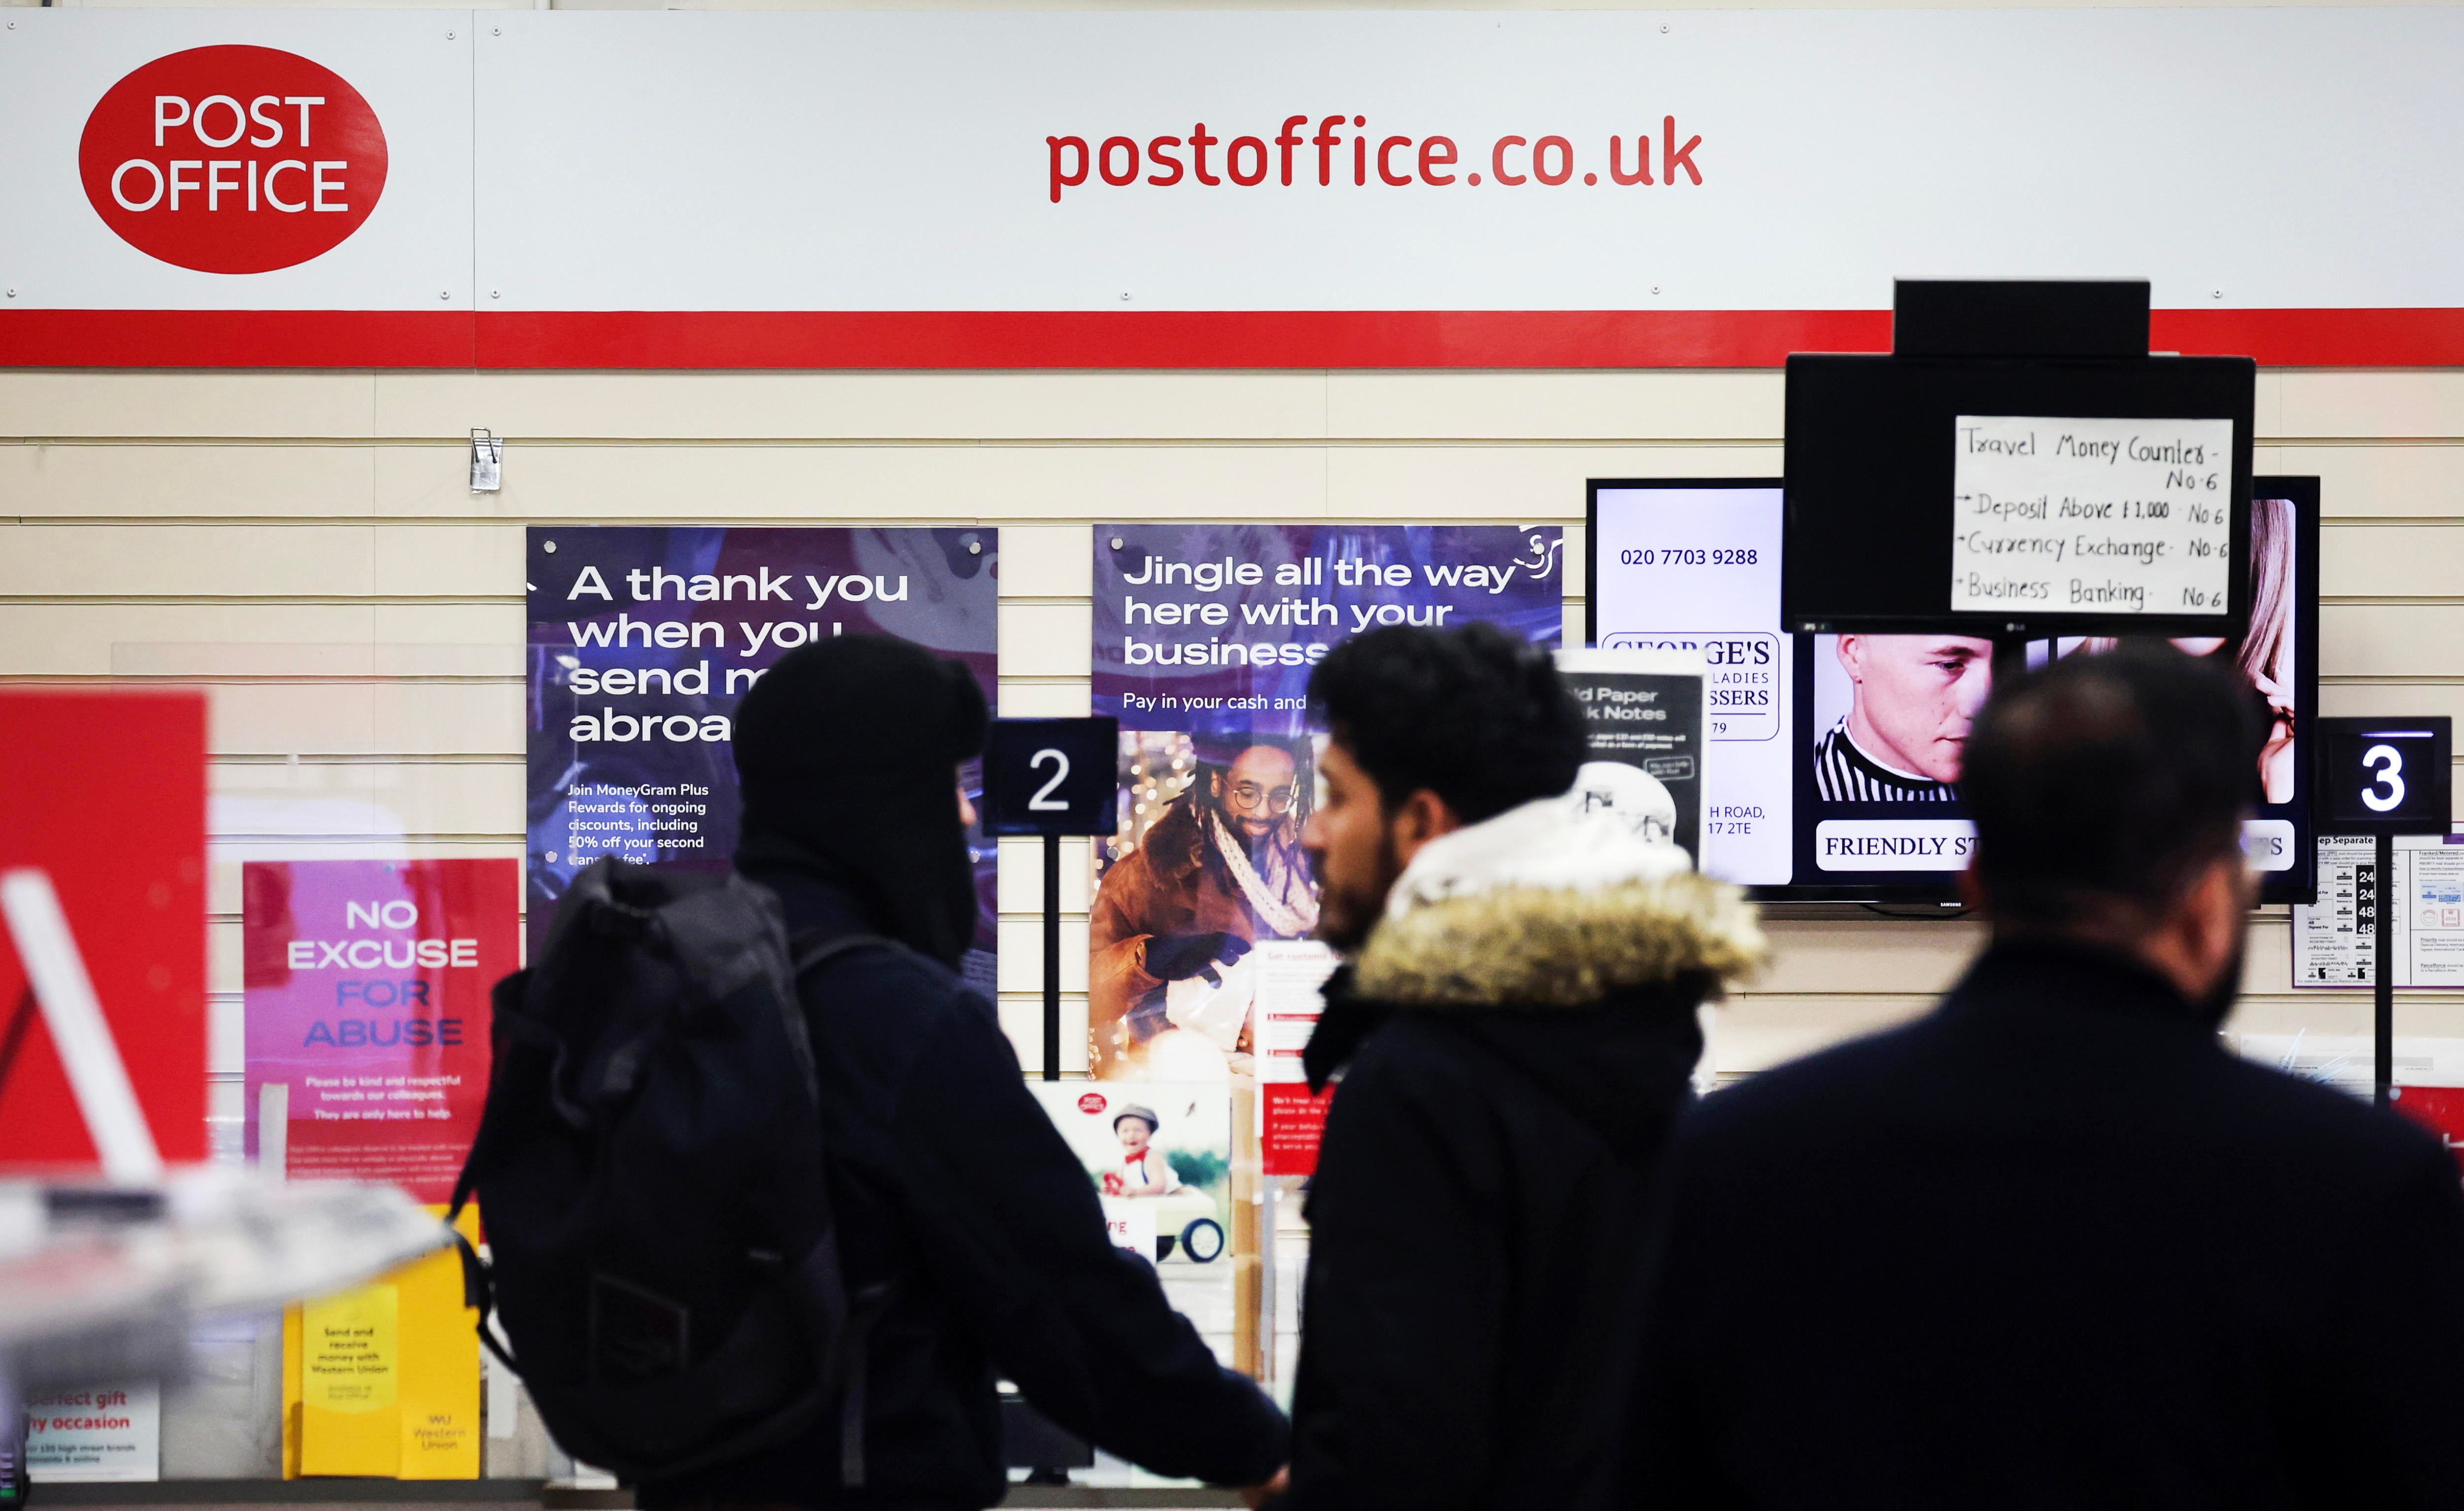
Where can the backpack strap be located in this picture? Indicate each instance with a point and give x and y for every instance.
(479, 1286)
(856, 1345)
(814, 948)
(809, 951)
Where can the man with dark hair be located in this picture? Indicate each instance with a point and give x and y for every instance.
(948, 1183)
(1910, 700)
(2053, 1245)
(1515, 1032)
(1220, 870)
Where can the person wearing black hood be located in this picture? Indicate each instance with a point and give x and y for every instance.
(1515, 1032)
(947, 1178)
(2053, 1244)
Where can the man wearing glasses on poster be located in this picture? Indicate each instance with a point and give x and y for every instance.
(1220, 870)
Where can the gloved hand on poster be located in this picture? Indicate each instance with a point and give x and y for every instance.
(1176, 957)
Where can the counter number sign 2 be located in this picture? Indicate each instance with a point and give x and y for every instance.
(2385, 777)
(1052, 776)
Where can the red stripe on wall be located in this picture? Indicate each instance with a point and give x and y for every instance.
(1107, 338)
(1173, 339)
(2315, 337)
(236, 339)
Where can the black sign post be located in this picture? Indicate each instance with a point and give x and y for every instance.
(1051, 777)
(2384, 777)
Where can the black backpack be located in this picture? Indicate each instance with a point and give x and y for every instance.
(650, 1170)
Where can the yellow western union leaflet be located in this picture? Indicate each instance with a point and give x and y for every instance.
(349, 1379)
(440, 1370)
(385, 1380)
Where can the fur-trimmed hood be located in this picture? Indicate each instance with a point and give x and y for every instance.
(1559, 945)
(1547, 907)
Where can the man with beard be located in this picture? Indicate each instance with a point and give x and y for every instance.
(1907, 718)
(1515, 1030)
(1220, 870)
(2053, 1244)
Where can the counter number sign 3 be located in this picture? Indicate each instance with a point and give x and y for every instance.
(2385, 777)
(1052, 776)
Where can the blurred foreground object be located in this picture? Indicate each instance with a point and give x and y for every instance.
(107, 803)
(114, 1236)
(103, 1280)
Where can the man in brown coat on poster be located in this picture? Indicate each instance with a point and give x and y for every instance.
(1220, 871)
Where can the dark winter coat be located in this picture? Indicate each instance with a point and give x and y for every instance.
(2053, 1245)
(1513, 1062)
(950, 1179)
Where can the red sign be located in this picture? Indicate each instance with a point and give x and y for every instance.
(367, 1007)
(107, 796)
(2439, 1109)
(1093, 1102)
(1294, 1122)
(232, 159)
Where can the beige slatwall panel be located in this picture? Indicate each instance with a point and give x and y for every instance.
(328, 514)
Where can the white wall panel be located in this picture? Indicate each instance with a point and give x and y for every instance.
(1022, 1018)
(1513, 484)
(186, 560)
(1050, 698)
(745, 407)
(259, 561)
(409, 718)
(2370, 405)
(1022, 954)
(40, 401)
(2376, 479)
(321, 517)
(462, 797)
(75, 639)
(862, 484)
(1557, 406)
(1022, 878)
(2391, 640)
(1046, 562)
(2377, 561)
(1050, 639)
(90, 480)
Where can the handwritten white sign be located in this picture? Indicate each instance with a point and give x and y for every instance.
(2091, 516)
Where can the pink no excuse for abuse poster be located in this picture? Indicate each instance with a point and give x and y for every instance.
(367, 1013)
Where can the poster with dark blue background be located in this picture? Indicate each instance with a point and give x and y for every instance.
(1215, 628)
(1200, 955)
(642, 641)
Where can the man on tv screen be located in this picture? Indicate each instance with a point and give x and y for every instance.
(1911, 700)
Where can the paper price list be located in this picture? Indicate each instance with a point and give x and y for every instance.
(2335, 939)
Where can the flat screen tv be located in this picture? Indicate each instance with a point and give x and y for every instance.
(1832, 769)
(2017, 495)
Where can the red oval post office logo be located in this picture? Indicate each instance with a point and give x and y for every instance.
(232, 159)
(1091, 1103)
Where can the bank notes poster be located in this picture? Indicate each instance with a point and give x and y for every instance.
(642, 640)
(366, 1012)
(1204, 637)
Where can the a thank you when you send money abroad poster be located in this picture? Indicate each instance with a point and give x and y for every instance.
(1205, 636)
(643, 641)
